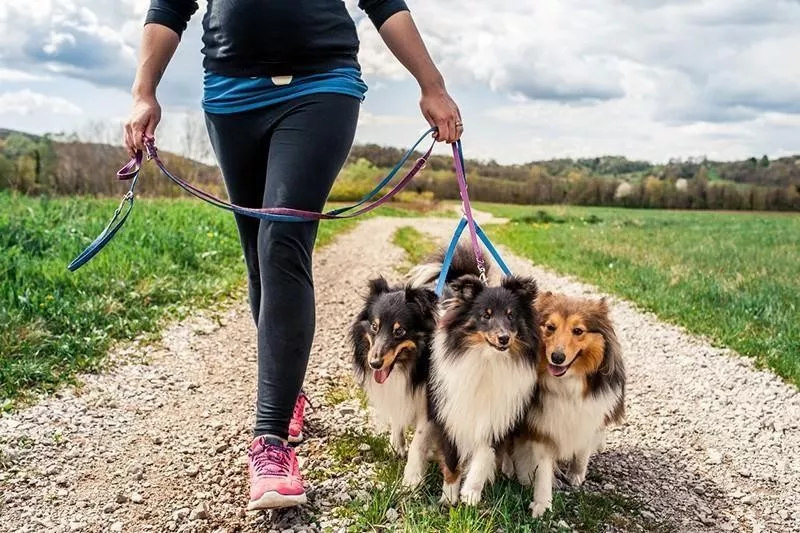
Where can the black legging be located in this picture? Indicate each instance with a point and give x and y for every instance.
(287, 155)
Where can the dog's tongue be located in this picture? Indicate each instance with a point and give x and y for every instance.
(557, 370)
(381, 375)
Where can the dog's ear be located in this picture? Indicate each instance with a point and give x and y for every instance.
(522, 286)
(467, 287)
(426, 299)
(602, 305)
(543, 300)
(378, 285)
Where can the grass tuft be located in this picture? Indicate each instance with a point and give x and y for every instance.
(416, 245)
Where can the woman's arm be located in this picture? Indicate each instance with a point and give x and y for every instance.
(158, 46)
(404, 41)
(166, 20)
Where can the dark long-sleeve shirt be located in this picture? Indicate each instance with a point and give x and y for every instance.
(274, 37)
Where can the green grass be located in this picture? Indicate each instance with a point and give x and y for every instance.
(505, 505)
(173, 255)
(732, 277)
(416, 245)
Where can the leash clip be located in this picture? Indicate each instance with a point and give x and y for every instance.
(150, 148)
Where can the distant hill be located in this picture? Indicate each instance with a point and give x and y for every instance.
(35, 164)
(757, 171)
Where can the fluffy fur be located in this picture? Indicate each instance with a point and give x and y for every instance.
(580, 391)
(482, 373)
(391, 339)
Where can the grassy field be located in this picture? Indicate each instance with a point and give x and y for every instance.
(730, 276)
(171, 256)
(417, 246)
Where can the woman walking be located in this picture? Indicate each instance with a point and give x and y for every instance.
(281, 94)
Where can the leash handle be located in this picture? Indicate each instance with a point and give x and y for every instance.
(111, 229)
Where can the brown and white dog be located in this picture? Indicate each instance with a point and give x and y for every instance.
(580, 391)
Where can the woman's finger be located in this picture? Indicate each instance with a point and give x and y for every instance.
(138, 132)
(128, 139)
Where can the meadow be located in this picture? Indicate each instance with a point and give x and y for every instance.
(732, 277)
(173, 255)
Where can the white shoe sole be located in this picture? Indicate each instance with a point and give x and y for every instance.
(295, 440)
(276, 500)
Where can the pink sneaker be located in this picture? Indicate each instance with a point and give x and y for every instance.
(275, 479)
(296, 425)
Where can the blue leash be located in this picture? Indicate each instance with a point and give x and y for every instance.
(465, 220)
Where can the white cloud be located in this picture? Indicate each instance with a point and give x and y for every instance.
(16, 76)
(26, 102)
(647, 78)
(366, 118)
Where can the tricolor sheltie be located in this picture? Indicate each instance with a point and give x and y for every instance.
(482, 373)
(391, 339)
(580, 391)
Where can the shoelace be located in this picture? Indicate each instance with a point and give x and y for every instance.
(271, 460)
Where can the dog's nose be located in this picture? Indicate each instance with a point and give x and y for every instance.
(558, 358)
(376, 364)
(503, 339)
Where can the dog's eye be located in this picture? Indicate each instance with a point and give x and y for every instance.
(374, 327)
(508, 313)
(577, 332)
(399, 332)
(486, 316)
(550, 327)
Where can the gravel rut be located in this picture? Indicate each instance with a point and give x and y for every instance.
(158, 442)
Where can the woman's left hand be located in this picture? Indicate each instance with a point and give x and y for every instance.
(442, 113)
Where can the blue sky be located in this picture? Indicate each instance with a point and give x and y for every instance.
(649, 79)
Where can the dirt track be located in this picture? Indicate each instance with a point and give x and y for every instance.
(158, 444)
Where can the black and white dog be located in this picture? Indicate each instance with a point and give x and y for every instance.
(391, 339)
(482, 370)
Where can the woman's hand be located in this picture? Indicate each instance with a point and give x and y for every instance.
(145, 116)
(158, 45)
(442, 113)
(401, 36)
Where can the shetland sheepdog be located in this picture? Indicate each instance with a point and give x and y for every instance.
(391, 340)
(482, 373)
(580, 391)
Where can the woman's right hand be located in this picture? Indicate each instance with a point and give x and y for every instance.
(144, 118)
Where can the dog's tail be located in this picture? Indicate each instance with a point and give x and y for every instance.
(463, 263)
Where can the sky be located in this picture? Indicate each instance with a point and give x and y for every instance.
(534, 79)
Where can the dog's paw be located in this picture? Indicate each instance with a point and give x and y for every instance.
(507, 467)
(412, 480)
(576, 479)
(449, 494)
(471, 496)
(539, 508)
(398, 445)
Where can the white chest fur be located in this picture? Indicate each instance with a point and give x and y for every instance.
(480, 393)
(569, 418)
(392, 401)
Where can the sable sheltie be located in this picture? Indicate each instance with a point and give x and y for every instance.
(391, 339)
(580, 391)
(482, 373)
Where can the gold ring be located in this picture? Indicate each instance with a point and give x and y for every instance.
(459, 124)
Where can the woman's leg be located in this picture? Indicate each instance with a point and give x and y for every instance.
(309, 143)
(241, 145)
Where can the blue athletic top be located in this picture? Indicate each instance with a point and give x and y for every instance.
(226, 94)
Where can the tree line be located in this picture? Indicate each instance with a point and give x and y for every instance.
(42, 165)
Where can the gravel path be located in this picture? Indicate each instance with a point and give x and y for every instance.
(158, 443)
